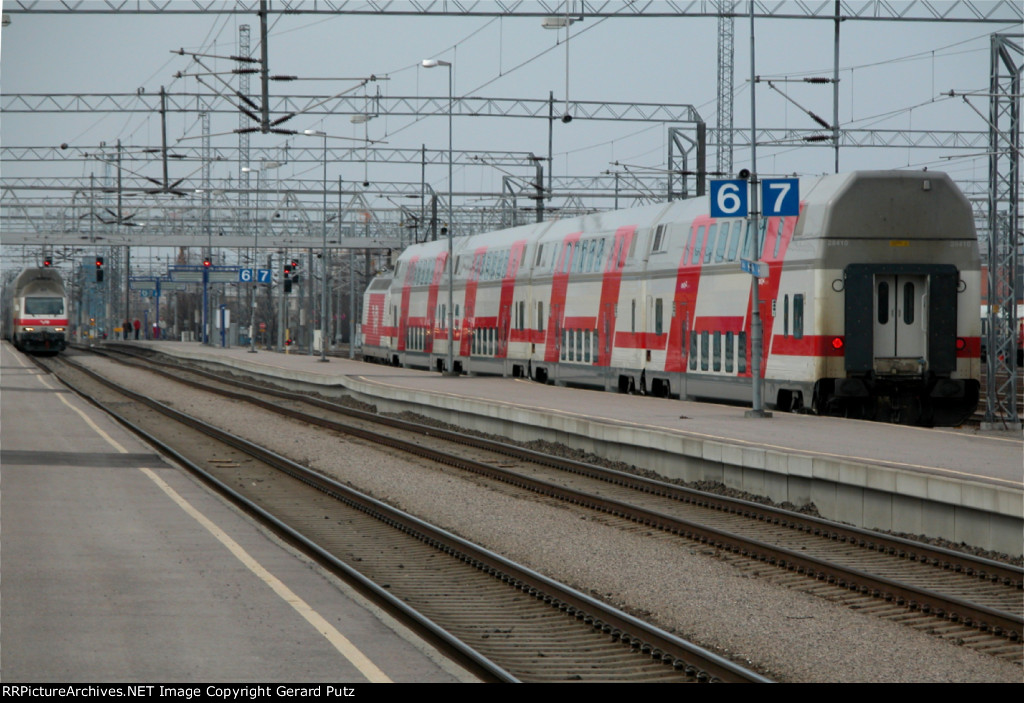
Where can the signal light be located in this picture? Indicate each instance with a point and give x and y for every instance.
(837, 342)
(99, 269)
(961, 343)
(207, 263)
(47, 262)
(287, 269)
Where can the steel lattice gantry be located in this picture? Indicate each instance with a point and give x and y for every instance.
(1001, 11)
(1007, 63)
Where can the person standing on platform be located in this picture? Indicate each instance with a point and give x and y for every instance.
(127, 327)
(138, 325)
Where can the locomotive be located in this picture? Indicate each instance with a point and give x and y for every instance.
(36, 312)
(868, 300)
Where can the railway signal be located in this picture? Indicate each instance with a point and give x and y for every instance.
(99, 269)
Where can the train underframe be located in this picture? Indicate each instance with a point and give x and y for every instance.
(40, 342)
(927, 400)
(924, 400)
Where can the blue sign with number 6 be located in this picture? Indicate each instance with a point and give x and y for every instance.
(729, 198)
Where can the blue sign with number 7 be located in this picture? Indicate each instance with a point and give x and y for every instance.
(780, 197)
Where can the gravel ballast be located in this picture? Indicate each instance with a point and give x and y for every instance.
(785, 634)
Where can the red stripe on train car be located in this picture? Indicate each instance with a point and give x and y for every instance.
(430, 321)
(42, 322)
(769, 287)
(469, 304)
(611, 284)
(559, 290)
(375, 320)
(508, 290)
(403, 312)
(808, 345)
(685, 295)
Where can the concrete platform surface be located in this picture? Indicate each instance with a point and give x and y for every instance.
(117, 567)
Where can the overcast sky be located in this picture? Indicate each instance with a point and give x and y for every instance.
(893, 77)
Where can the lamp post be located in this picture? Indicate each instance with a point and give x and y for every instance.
(256, 251)
(323, 288)
(431, 63)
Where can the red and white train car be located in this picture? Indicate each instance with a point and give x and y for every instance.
(36, 312)
(869, 306)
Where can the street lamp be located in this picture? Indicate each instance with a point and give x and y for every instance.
(323, 289)
(431, 63)
(256, 251)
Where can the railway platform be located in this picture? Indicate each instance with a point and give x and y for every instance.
(963, 485)
(118, 567)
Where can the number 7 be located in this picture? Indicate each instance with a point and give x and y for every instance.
(783, 188)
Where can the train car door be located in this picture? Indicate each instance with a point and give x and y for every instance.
(900, 325)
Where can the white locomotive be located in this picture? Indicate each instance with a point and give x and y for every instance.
(869, 305)
(36, 312)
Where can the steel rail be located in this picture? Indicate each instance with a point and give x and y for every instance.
(984, 618)
(694, 660)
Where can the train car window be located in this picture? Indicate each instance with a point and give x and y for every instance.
(600, 254)
(632, 246)
(540, 256)
(747, 233)
(44, 306)
(657, 316)
(693, 352)
(908, 303)
(504, 263)
(716, 357)
(659, 239)
(697, 245)
(785, 315)
(778, 236)
(762, 230)
(540, 317)
(734, 239)
(579, 345)
(741, 353)
(709, 248)
(704, 351)
(729, 343)
(723, 240)
(798, 316)
(883, 303)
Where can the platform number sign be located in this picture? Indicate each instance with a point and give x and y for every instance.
(729, 198)
(780, 197)
(251, 275)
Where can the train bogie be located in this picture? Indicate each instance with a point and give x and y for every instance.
(866, 302)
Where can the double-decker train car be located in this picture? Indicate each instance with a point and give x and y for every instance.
(36, 312)
(868, 300)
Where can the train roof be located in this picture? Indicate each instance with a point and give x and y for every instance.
(855, 205)
(39, 280)
(884, 205)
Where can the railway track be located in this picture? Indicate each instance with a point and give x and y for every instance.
(975, 601)
(502, 620)
(979, 416)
